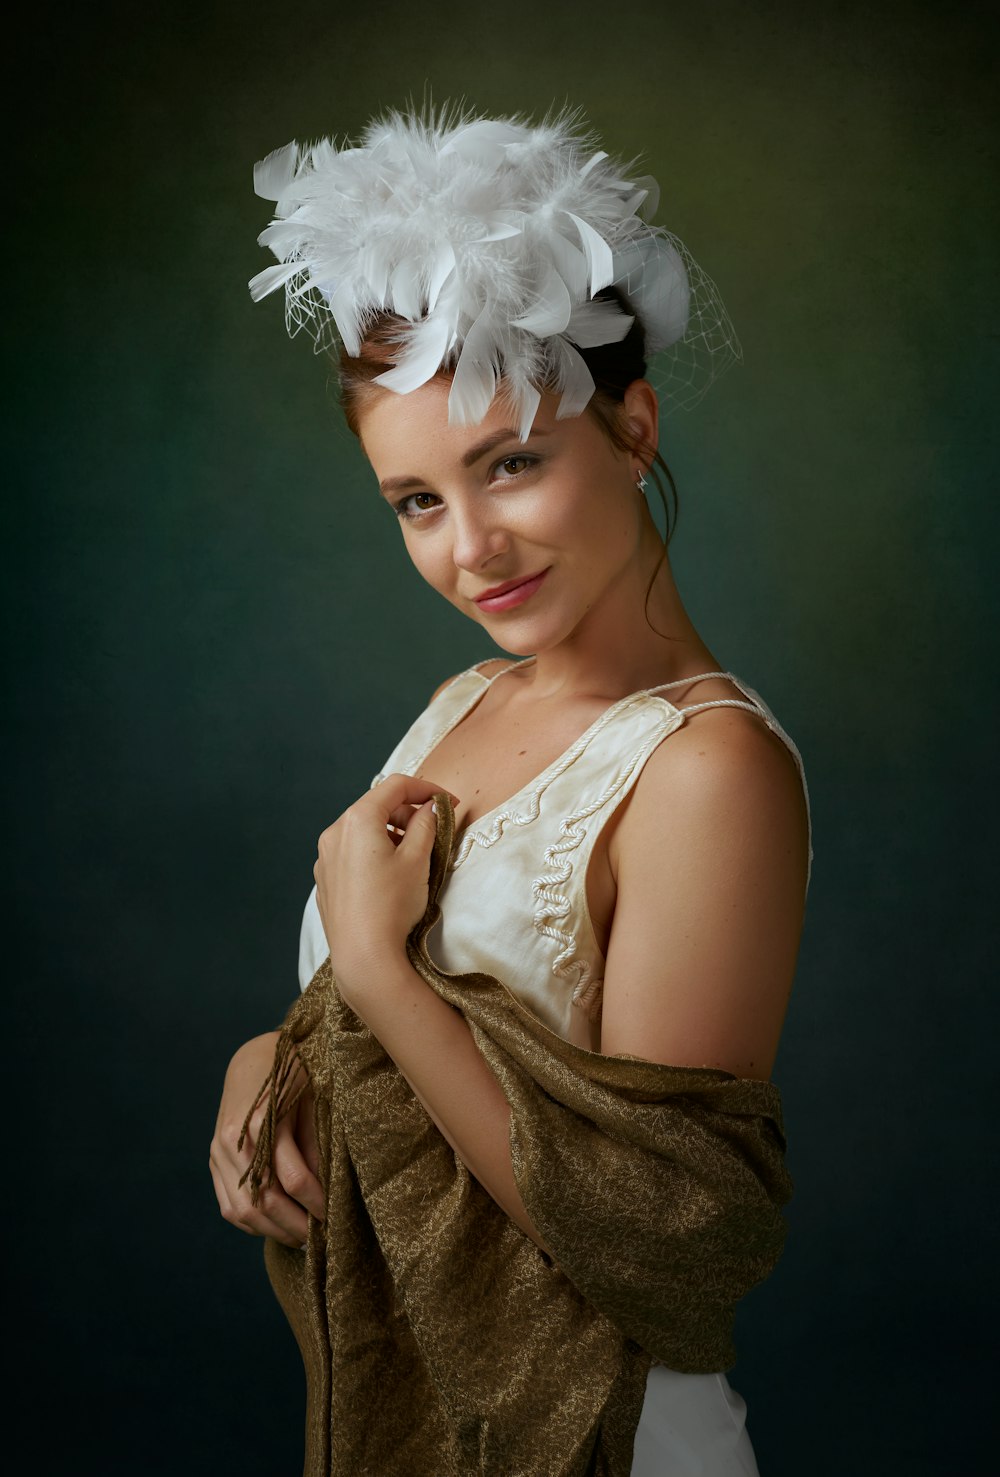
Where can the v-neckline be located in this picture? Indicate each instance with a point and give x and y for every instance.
(536, 781)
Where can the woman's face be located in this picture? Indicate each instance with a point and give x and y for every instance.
(480, 508)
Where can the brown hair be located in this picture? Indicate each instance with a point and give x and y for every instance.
(613, 366)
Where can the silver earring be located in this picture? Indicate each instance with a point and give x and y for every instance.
(640, 483)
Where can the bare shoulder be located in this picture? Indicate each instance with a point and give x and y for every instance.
(490, 668)
(709, 861)
(723, 779)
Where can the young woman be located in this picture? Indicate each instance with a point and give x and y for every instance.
(633, 842)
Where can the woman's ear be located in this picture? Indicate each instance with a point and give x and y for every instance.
(642, 414)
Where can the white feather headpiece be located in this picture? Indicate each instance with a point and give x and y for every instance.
(490, 237)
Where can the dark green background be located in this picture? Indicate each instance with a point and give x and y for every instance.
(215, 639)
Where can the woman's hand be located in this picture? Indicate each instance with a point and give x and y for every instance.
(371, 885)
(281, 1209)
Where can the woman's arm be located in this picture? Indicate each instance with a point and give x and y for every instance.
(434, 1049)
(710, 861)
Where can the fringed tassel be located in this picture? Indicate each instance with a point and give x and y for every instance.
(283, 1089)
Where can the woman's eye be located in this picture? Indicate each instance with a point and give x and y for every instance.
(418, 504)
(515, 465)
(402, 510)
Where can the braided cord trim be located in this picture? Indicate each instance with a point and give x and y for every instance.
(551, 888)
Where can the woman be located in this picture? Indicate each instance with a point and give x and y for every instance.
(645, 897)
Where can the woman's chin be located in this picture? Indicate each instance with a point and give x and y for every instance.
(520, 637)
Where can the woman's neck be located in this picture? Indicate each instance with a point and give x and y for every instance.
(616, 650)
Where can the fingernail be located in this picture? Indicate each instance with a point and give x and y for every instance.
(434, 809)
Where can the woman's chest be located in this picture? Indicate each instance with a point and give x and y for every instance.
(496, 765)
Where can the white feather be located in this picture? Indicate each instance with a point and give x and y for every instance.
(343, 306)
(420, 359)
(526, 399)
(441, 269)
(272, 176)
(474, 383)
(596, 323)
(594, 159)
(404, 288)
(270, 278)
(573, 379)
(598, 253)
(551, 310)
(651, 203)
(571, 264)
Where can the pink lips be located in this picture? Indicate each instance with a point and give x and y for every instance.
(513, 597)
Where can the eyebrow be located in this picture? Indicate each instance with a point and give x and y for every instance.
(474, 453)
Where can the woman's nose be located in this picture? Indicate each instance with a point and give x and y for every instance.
(477, 535)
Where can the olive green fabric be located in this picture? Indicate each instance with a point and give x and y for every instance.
(437, 1337)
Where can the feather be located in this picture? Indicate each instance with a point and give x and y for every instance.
(500, 231)
(552, 307)
(270, 278)
(404, 288)
(420, 359)
(374, 268)
(474, 383)
(652, 189)
(483, 141)
(598, 254)
(631, 206)
(571, 264)
(595, 323)
(573, 379)
(523, 399)
(273, 175)
(344, 310)
(441, 269)
(594, 159)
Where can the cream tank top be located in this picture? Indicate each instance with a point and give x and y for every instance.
(514, 905)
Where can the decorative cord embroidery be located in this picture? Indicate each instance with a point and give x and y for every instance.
(488, 838)
(551, 889)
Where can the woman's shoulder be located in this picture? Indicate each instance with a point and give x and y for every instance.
(729, 784)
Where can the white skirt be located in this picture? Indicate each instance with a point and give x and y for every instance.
(692, 1425)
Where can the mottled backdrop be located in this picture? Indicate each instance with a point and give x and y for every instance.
(216, 639)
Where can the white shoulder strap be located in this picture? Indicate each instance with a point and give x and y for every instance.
(755, 705)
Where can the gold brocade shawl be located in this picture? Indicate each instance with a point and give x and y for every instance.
(438, 1339)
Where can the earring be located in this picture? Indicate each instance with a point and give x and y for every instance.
(640, 482)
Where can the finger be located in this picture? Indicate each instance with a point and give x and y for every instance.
(399, 820)
(275, 1214)
(294, 1175)
(289, 1221)
(421, 831)
(239, 1211)
(397, 790)
(401, 815)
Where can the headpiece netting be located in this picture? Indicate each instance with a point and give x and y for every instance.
(489, 238)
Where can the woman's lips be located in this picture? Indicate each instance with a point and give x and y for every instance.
(513, 597)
